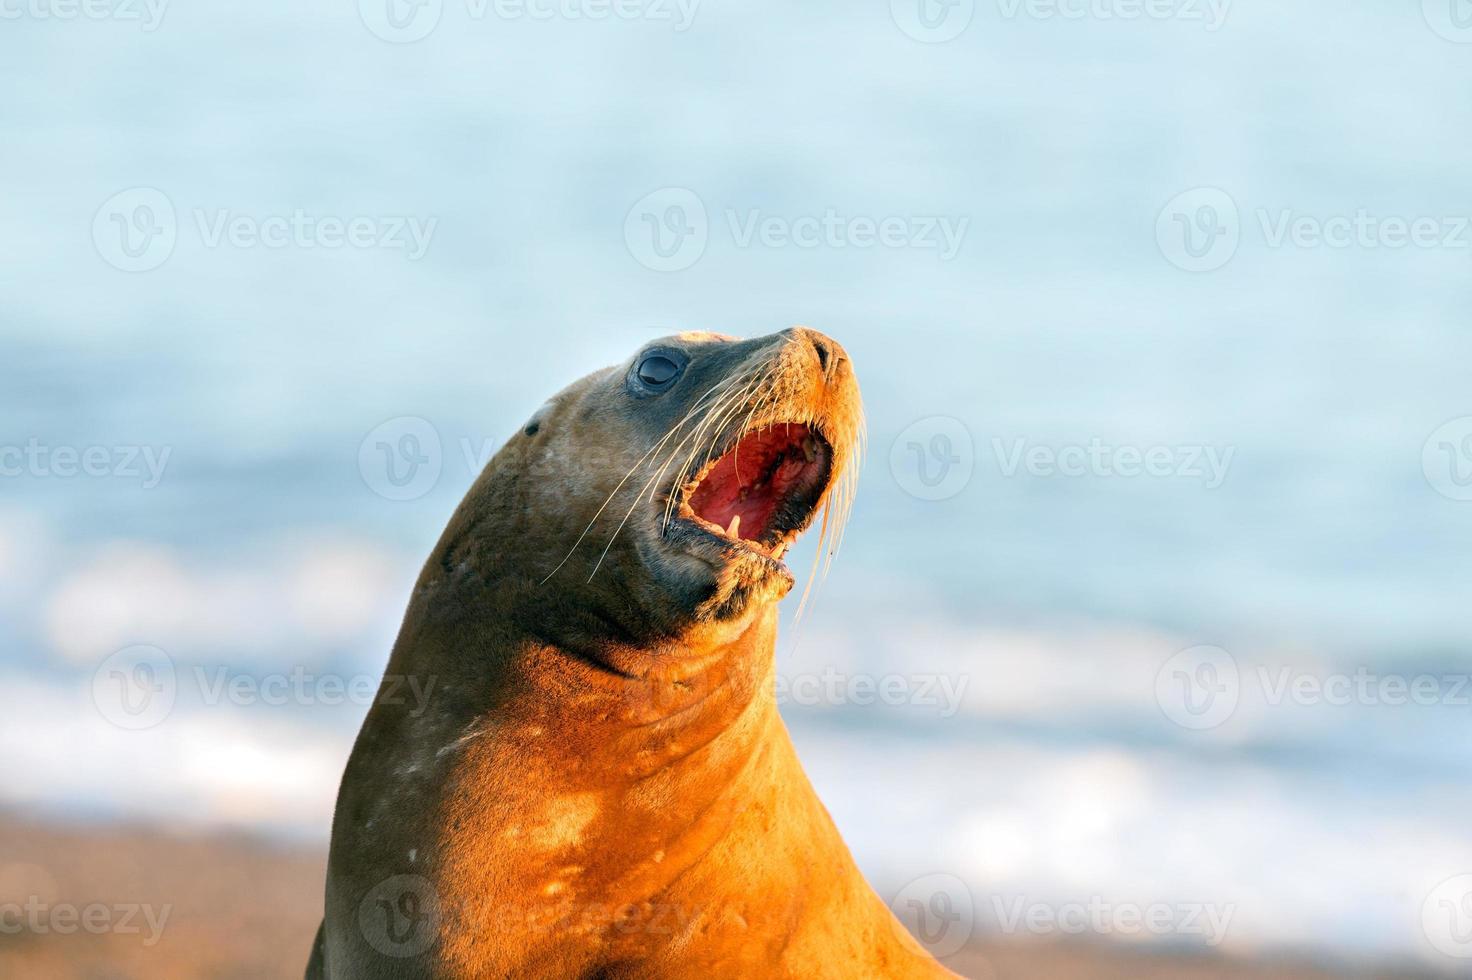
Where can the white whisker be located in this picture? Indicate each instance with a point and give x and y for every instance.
(639, 496)
(609, 499)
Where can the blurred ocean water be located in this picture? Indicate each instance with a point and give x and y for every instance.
(241, 247)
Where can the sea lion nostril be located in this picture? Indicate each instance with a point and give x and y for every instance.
(825, 355)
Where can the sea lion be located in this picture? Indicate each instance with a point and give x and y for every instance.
(601, 785)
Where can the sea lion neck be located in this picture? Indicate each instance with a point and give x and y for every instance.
(652, 764)
(493, 653)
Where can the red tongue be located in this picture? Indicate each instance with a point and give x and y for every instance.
(752, 479)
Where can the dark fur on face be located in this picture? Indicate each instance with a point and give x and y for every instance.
(581, 527)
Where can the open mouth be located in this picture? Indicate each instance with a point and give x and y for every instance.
(763, 491)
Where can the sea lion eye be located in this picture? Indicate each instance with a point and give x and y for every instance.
(657, 370)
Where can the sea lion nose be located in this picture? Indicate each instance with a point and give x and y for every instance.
(830, 353)
(825, 353)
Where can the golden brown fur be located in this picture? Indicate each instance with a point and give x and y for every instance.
(602, 786)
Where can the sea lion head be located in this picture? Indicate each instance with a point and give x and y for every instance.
(658, 496)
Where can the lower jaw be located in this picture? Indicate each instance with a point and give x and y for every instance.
(687, 531)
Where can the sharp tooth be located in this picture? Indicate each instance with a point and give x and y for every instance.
(781, 547)
(735, 526)
(809, 448)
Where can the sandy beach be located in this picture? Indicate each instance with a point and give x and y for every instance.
(157, 905)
